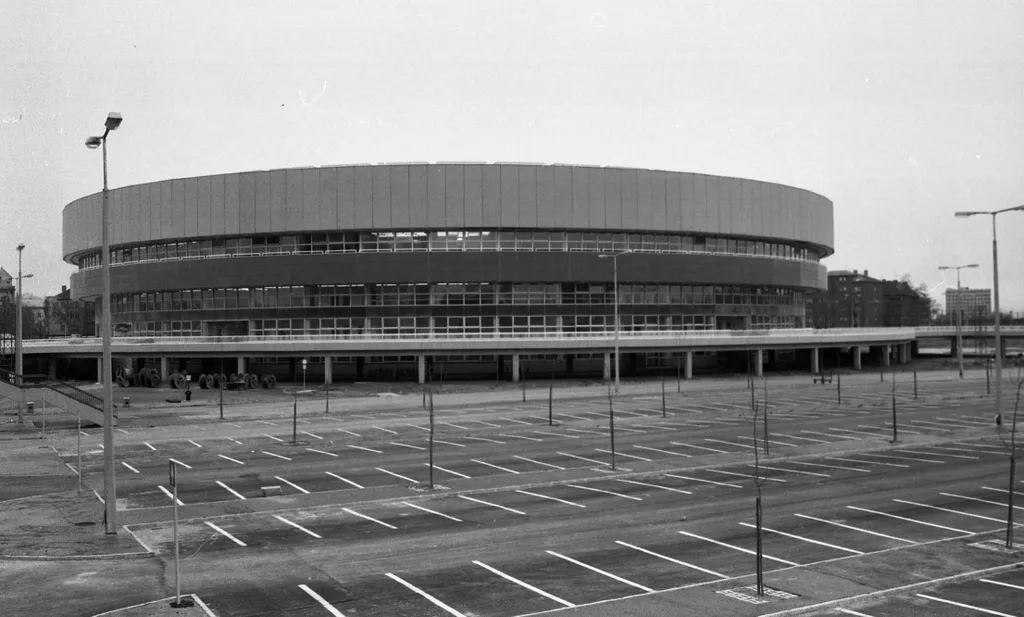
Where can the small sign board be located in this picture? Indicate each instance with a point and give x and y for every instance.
(171, 473)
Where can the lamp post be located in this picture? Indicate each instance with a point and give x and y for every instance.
(19, 362)
(995, 301)
(106, 366)
(959, 318)
(615, 290)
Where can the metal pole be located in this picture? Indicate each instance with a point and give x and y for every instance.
(222, 401)
(177, 557)
(760, 569)
(110, 489)
(1009, 509)
(611, 426)
(915, 382)
(79, 451)
(999, 346)
(19, 368)
(960, 342)
(524, 392)
(327, 400)
(839, 388)
(551, 399)
(295, 417)
(615, 290)
(679, 379)
(431, 454)
(663, 413)
(894, 430)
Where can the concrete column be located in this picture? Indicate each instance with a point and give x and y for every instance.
(688, 365)
(856, 358)
(886, 352)
(240, 365)
(51, 369)
(421, 367)
(815, 360)
(758, 363)
(328, 370)
(99, 371)
(515, 368)
(164, 371)
(606, 372)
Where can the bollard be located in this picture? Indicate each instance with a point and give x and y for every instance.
(524, 392)
(327, 400)
(551, 396)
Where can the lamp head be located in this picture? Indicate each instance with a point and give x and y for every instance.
(93, 142)
(963, 215)
(21, 247)
(113, 121)
(971, 266)
(1020, 207)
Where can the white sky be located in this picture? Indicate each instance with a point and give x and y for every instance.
(900, 112)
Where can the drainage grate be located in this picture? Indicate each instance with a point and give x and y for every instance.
(749, 594)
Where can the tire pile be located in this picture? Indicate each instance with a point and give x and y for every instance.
(127, 376)
(216, 381)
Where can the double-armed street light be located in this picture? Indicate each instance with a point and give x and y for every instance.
(106, 365)
(995, 299)
(615, 291)
(959, 317)
(19, 362)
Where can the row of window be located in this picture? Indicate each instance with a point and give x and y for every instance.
(441, 294)
(462, 240)
(450, 359)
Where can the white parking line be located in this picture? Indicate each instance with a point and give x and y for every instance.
(600, 571)
(906, 458)
(450, 443)
(812, 439)
(627, 430)
(736, 548)
(686, 445)
(987, 611)
(672, 475)
(526, 585)
(493, 505)
(482, 439)
(386, 430)
(83, 433)
(324, 603)
(852, 612)
(960, 449)
(833, 435)
(786, 470)
(853, 528)
(830, 466)
(405, 445)
(903, 429)
(334, 475)
(233, 424)
(194, 443)
(363, 448)
(348, 432)
(297, 526)
(664, 488)
(234, 440)
(990, 581)
(505, 469)
(530, 460)
(803, 539)
(417, 426)
(853, 460)
(130, 467)
(225, 534)
(516, 421)
(519, 437)
(230, 490)
(322, 452)
(546, 434)
(742, 475)
(314, 436)
(267, 423)
(994, 503)
(150, 446)
(599, 490)
(124, 431)
(760, 441)
(292, 484)
(177, 462)
(924, 505)
(369, 518)
(580, 430)
(412, 505)
(667, 558)
(399, 476)
(973, 458)
(669, 452)
(731, 443)
(454, 473)
(458, 426)
(168, 493)
(275, 455)
(909, 520)
(277, 439)
(233, 460)
(569, 415)
(850, 430)
(425, 595)
(582, 458)
(639, 458)
(538, 495)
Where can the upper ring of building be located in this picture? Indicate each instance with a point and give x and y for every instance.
(453, 196)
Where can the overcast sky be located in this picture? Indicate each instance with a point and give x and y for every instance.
(900, 112)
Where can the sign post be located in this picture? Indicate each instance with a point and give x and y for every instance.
(551, 396)
(663, 394)
(611, 424)
(172, 480)
(79, 451)
(304, 373)
(431, 453)
(327, 400)
(295, 417)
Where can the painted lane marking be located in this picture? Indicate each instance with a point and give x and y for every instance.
(369, 518)
(639, 458)
(324, 603)
(889, 425)
(302, 420)
(909, 520)
(672, 475)
(686, 445)
(334, 475)
(83, 433)
(454, 473)
(405, 445)
(962, 605)
(166, 492)
(850, 430)
(897, 458)
(803, 539)
(124, 431)
(960, 449)
(485, 423)
(233, 424)
(513, 420)
(598, 490)
(233, 460)
(292, 484)
(130, 467)
(742, 475)
(812, 439)
(493, 505)
(347, 432)
(314, 436)
(736, 548)
(569, 415)
(730, 443)
(787, 470)
(450, 443)
(482, 439)
(225, 534)
(399, 476)
(322, 452)
(853, 460)
(417, 426)
(297, 526)
(505, 469)
(648, 484)
(600, 571)
(538, 495)
(386, 430)
(669, 452)
(530, 460)
(275, 455)
(525, 585)
(230, 490)
(973, 458)
(1002, 490)
(194, 443)
(234, 440)
(149, 445)
(425, 595)
(458, 426)
(580, 430)
(177, 462)
(667, 558)
(990, 581)
(854, 528)
(519, 437)
(364, 449)
(546, 434)
(778, 443)
(994, 503)
(582, 458)
(277, 439)
(833, 435)
(628, 430)
(412, 505)
(924, 505)
(267, 423)
(830, 466)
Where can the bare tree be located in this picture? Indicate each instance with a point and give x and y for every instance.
(760, 478)
(1009, 439)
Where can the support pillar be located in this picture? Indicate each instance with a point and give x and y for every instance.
(856, 358)
(51, 369)
(421, 368)
(688, 365)
(758, 363)
(328, 370)
(99, 369)
(515, 368)
(606, 372)
(240, 365)
(815, 360)
(570, 361)
(886, 353)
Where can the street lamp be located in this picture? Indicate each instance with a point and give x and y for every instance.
(19, 362)
(106, 366)
(995, 300)
(615, 290)
(959, 317)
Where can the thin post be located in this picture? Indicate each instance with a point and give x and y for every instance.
(551, 397)
(611, 426)
(109, 485)
(839, 389)
(431, 440)
(424, 397)
(79, 451)
(998, 340)
(988, 378)
(894, 430)
(679, 378)
(663, 413)
(327, 399)
(177, 556)
(295, 417)
(960, 342)
(524, 392)
(766, 453)
(222, 401)
(760, 551)
(1009, 509)
(915, 382)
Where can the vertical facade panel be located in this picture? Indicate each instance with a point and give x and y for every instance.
(278, 200)
(328, 188)
(232, 205)
(167, 208)
(246, 203)
(262, 217)
(133, 216)
(293, 199)
(455, 196)
(673, 201)
(630, 200)
(750, 208)
(658, 201)
(346, 198)
(774, 226)
(203, 206)
(435, 197)
(191, 213)
(713, 222)
(797, 220)
(563, 197)
(645, 199)
(363, 196)
(418, 196)
(546, 196)
(311, 199)
(728, 210)
(381, 197)
(700, 203)
(474, 195)
(152, 220)
(492, 196)
(509, 195)
(116, 215)
(399, 196)
(595, 188)
(527, 196)
(580, 198)
(177, 209)
(217, 205)
(612, 197)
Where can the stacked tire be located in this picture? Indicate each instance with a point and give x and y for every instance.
(268, 381)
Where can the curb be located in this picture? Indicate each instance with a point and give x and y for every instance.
(196, 598)
(105, 557)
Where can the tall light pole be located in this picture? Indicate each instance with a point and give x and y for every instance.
(615, 291)
(19, 368)
(106, 366)
(995, 300)
(959, 318)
